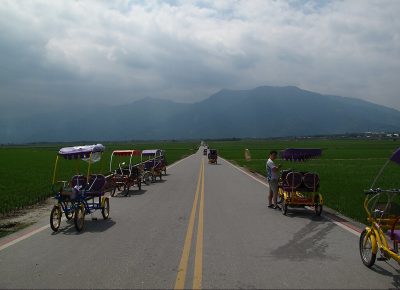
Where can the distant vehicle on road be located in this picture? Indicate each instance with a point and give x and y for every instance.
(213, 156)
(205, 151)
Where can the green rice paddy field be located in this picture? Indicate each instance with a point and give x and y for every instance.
(26, 172)
(346, 167)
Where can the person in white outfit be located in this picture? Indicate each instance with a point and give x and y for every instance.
(272, 176)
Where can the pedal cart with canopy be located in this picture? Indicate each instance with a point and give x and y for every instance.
(82, 194)
(153, 161)
(300, 188)
(123, 175)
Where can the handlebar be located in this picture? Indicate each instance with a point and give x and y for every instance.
(380, 190)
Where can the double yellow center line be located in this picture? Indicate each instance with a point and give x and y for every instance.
(198, 260)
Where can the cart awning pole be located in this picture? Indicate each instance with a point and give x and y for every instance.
(130, 164)
(112, 155)
(55, 169)
(90, 162)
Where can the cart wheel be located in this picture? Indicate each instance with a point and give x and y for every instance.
(284, 207)
(69, 214)
(55, 218)
(79, 218)
(367, 256)
(146, 178)
(318, 209)
(153, 178)
(165, 171)
(126, 189)
(140, 185)
(105, 211)
(160, 175)
(113, 191)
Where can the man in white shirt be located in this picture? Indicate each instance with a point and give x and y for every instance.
(272, 176)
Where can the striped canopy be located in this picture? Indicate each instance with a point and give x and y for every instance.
(80, 152)
(127, 152)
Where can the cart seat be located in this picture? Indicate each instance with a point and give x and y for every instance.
(79, 180)
(96, 185)
(395, 236)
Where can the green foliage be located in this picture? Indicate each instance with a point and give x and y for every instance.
(26, 172)
(346, 167)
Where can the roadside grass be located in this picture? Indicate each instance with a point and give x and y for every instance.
(26, 171)
(346, 168)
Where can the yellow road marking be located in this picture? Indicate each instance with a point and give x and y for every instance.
(198, 262)
(180, 279)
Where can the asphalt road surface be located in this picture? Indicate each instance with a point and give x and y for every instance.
(203, 226)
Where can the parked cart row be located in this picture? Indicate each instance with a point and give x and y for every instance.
(86, 193)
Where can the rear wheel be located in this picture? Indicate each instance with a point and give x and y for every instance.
(367, 256)
(284, 207)
(79, 218)
(55, 218)
(160, 175)
(105, 211)
(126, 189)
(147, 178)
(114, 190)
(139, 185)
(318, 209)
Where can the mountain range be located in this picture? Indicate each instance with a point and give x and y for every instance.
(258, 113)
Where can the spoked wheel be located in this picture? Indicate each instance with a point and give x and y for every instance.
(126, 189)
(367, 256)
(114, 190)
(147, 178)
(153, 178)
(284, 207)
(105, 211)
(69, 214)
(160, 175)
(165, 171)
(318, 209)
(55, 218)
(79, 218)
(139, 185)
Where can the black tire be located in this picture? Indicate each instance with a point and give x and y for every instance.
(147, 178)
(126, 189)
(105, 211)
(139, 185)
(284, 207)
(318, 209)
(79, 218)
(55, 218)
(160, 175)
(113, 190)
(367, 257)
(165, 171)
(70, 214)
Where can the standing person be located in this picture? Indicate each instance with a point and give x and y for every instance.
(272, 176)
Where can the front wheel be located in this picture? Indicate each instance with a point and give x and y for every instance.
(318, 209)
(55, 218)
(366, 253)
(139, 185)
(69, 213)
(147, 178)
(105, 211)
(284, 207)
(79, 218)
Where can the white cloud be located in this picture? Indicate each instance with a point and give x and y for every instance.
(185, 50)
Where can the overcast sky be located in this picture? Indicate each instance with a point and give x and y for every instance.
(57, 52)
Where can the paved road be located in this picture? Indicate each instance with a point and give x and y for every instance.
(205, 226)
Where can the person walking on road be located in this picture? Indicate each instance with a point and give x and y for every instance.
(272, 176)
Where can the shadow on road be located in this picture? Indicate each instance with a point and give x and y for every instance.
(130, 193)
(91, 226)
(309, 243)
(396, 276)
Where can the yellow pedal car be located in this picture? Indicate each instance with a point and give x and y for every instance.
(383, 212)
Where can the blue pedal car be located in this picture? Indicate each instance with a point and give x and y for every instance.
(83, 194)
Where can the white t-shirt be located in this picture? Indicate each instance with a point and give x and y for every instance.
(271, 175)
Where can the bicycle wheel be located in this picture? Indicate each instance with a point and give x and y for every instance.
(79, 218)
(367, 256)
(69, 214)
(105, 211)
(55, 218)
(284, 207)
